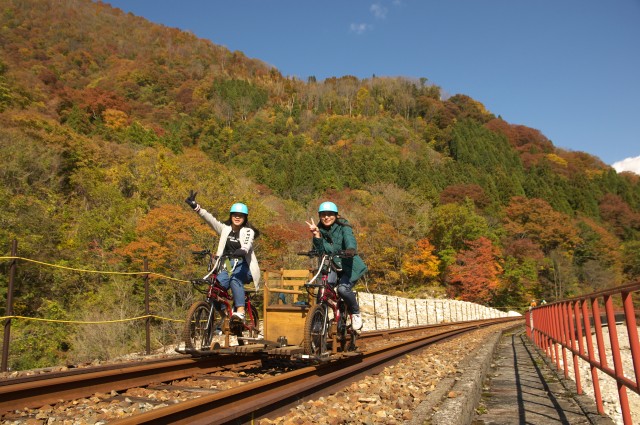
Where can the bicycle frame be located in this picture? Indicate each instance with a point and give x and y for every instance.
(326, 293)
(217, 296)
(217, 293)
(329, 297)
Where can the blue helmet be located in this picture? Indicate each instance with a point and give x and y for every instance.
(239, 208)
(328, 206)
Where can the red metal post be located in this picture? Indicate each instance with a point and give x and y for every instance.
(543, 313)
(632, 330)
(592, 358)
(547, 314)
(555, 334)
(617, 360)
(597, 324)
(543, 326)
(572, 311)
(564, 337)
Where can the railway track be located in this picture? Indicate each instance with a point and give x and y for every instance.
(41, 390)
(245, 389)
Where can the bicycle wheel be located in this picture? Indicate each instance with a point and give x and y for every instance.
(346, 335)
(250, 329)
(341, 328)
(198, 330)
(315, 331)
(342, 336)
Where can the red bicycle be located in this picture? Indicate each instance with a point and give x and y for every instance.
(204, 320)
(328, 321)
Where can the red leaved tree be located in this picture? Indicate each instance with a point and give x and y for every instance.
(475, 274)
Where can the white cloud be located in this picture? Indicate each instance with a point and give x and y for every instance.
(628, 164)
(360, 28)
(379, 11)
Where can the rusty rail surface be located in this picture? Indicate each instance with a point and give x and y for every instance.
(571, 324)
(50, 388)
(256, 399)
(37, 391)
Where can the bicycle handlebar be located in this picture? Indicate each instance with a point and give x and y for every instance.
(200, 285)
(199, 282)
(201, 253)
(341, 253)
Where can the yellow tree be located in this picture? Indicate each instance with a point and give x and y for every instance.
(166, 236)
(421, 265)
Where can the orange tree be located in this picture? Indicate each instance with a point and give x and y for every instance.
(475, 275)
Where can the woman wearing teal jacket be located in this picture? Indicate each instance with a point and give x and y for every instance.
(332, 234)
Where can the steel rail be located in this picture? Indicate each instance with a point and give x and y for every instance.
(52, 387)
(20, 393)
(261, 397)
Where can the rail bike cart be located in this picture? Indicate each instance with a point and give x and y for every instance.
(286, 331)
(306, 317)
(298, 321)
(285, 306)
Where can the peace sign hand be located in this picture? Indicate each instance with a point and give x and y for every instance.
(313, 228)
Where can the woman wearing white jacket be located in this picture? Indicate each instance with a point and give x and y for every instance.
(236, 246)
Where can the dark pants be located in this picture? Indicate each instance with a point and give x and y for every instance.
(344, 290)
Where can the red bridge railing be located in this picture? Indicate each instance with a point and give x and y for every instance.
(569, 327)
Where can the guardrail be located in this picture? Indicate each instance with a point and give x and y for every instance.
(569, 326)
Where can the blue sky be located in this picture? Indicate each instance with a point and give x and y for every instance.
(569, 68)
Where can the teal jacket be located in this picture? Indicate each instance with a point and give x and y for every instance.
(338, 238)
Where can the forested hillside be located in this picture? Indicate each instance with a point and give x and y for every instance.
(107, 121)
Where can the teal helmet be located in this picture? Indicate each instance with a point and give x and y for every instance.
(239, 208)
(328, 206)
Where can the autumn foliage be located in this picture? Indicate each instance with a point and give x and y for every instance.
(422, 264)
(475, 276)
(107, 121)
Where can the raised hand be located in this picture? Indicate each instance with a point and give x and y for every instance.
(313, 228)
(191, 200)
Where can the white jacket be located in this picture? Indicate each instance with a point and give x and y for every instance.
(246, 242)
